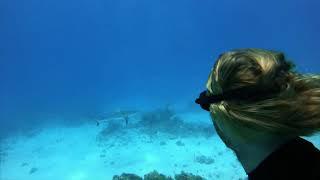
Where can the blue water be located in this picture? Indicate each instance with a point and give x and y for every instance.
(68, 58)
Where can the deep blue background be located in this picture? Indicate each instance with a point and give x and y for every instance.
(72, 57)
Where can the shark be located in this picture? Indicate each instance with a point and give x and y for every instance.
(121, 114)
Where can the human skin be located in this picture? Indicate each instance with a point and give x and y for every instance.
(250, 152)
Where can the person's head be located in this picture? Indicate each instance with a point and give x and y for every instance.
(292, 108)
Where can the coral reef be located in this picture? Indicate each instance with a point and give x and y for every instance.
(165, 120)
(179, 143)
(204, 159)
(154, 175)
(187, 176)
(126, 176)
(112, 128)
(159, 120)
(162, 120)
(162, 143)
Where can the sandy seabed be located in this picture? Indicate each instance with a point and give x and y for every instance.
(74, 153)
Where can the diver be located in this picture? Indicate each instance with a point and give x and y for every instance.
(260, 107)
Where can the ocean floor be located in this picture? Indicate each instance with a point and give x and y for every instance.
(79, 153)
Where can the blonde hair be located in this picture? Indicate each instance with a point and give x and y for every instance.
(293, 110)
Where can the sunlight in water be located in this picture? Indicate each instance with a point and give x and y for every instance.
(80, 175)
(151, 158)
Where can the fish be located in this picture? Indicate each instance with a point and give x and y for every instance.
(33, 170)
(105, 117)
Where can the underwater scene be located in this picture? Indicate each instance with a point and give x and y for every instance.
(106, 89)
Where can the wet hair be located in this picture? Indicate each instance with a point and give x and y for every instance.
(294, 107)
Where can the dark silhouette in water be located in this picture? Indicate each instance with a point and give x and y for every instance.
(116, 115)
(265, 132)
(154, 175)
